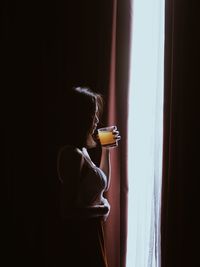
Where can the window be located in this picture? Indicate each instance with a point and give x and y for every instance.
(145, 133)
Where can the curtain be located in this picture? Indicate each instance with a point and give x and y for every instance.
(180, 192)
(116, 228)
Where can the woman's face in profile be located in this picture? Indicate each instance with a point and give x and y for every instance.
(95, 120)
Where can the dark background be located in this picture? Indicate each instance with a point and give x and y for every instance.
(45, 48)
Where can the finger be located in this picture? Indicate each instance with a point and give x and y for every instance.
(118, 137)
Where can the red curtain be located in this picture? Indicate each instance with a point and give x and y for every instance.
(180, 192)
(116, 227)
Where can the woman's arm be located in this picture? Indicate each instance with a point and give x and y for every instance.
(105, 165)
(94, 211)
(88, 212)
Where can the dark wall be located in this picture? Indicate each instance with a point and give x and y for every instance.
(46, 48)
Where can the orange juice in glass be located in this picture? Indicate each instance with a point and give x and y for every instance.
(106, 136)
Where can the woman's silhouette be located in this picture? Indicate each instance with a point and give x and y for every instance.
(83, 206)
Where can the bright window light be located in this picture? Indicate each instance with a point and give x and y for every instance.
(145, 133)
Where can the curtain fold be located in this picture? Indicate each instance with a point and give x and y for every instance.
(113, 224)
(116, 229)
(179, 221)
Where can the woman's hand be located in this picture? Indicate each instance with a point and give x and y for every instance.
(116, 135)
(107, 141)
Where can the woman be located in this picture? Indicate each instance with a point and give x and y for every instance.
(83, 206)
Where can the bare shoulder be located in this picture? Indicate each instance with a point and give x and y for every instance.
(70, 160)
(70, 154)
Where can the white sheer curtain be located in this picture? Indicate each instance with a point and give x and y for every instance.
(145, 133)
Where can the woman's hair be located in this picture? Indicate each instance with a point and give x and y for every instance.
(76, 112)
